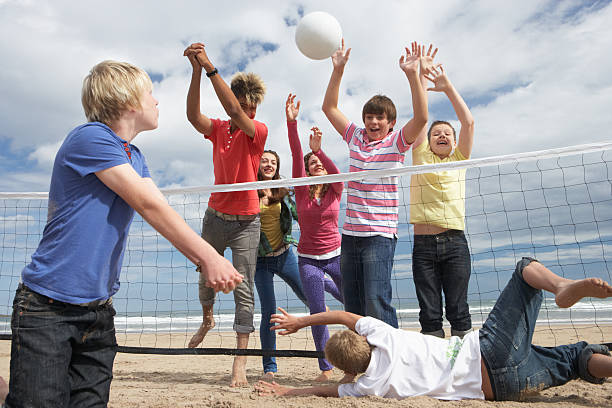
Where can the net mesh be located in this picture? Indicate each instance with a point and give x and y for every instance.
(554, 205)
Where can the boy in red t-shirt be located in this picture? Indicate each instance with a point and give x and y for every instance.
(232, 218)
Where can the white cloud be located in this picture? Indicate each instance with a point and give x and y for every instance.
(537, 76)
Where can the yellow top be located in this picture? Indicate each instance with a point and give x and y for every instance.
(437, 198)
(270, 224)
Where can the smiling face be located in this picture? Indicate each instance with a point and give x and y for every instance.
(377, 126)
(442, 139)
(268, 166)
(314, 166)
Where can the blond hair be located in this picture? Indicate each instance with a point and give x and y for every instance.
(348, 351)
(250, 86)
(110, 88)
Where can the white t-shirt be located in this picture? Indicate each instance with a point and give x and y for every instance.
(409, 364)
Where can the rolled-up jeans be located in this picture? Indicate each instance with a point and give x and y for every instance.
(242, 237)
(516, 367)
(61, 354)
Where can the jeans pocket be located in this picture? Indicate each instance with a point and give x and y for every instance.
(537, 382)
(506, 383)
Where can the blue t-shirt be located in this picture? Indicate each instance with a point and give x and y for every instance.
(79, 257)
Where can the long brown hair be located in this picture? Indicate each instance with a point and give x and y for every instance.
(313, 187)
(278, 193)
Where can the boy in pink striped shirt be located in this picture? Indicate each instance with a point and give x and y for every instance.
(369, 234)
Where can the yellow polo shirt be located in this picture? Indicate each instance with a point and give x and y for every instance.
(437, 198)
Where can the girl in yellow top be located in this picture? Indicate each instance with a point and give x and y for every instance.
(441, 256)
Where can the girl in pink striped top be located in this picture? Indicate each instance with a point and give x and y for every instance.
(319, 247)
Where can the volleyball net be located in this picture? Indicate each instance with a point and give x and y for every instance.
(553, 205)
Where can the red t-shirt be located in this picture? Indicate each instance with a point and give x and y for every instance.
(236, 160)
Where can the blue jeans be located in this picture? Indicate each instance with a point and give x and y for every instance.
(242, 237)
(515, 366)
(285, 266)
(366, 264)
(441, 263)
(61, 355)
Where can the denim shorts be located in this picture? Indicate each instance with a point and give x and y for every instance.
(516, 367)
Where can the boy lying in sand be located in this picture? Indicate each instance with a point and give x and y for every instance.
(497, 362)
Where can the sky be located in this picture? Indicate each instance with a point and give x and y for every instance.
(536, 74)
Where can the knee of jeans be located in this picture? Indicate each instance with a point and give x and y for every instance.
(583, 361)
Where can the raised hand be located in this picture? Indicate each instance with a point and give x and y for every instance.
(427, 64)
(410, 62)
(285, 321)
(439, 79)
(341, 56)
(197, 50)
(191, 53)
(292, 109)
(315, 139)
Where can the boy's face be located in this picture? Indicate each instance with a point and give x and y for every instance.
(441, 140)
(377, 125)
(149, 114)
(247, 108)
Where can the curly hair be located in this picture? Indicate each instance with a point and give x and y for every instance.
(248, 85)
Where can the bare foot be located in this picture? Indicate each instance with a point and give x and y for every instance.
(572, 291)
(4, 389)
(201, 333)
(268, 377)
(239, 378)
(324, 376)
(348, 378)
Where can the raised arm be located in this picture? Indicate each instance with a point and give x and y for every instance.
(466, 133)
(291, 111)
(137, 192)
(330, 102)
(228, 100)
(290, 324)
(330, 167)
(410, 65)
(200, 122)
(426, 68)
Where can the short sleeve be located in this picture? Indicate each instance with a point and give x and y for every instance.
(400, 142)
(368, 325)
(216, 124)
(349, 132)
(94, 148)
(260, 136)
(418, 153)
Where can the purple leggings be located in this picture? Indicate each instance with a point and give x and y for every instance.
(315, 284)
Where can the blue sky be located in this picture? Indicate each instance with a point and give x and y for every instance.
(535, 73)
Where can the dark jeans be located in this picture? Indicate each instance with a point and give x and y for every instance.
(441, 263)
(285, 266)
(366, 264)
(516, 367)
(61, 355)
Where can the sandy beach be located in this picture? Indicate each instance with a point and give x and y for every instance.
(143, 380)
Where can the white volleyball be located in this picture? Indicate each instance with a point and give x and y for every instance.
(318, 35)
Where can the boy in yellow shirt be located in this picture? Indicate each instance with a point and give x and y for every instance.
(441, 256)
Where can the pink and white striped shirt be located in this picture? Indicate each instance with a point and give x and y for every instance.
(372, 203)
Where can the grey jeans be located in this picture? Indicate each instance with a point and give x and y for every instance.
(242, 237)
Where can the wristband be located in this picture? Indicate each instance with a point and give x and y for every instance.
(212, 73)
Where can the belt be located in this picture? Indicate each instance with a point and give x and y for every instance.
(96, 303)
(279, 251)
(231, 217)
